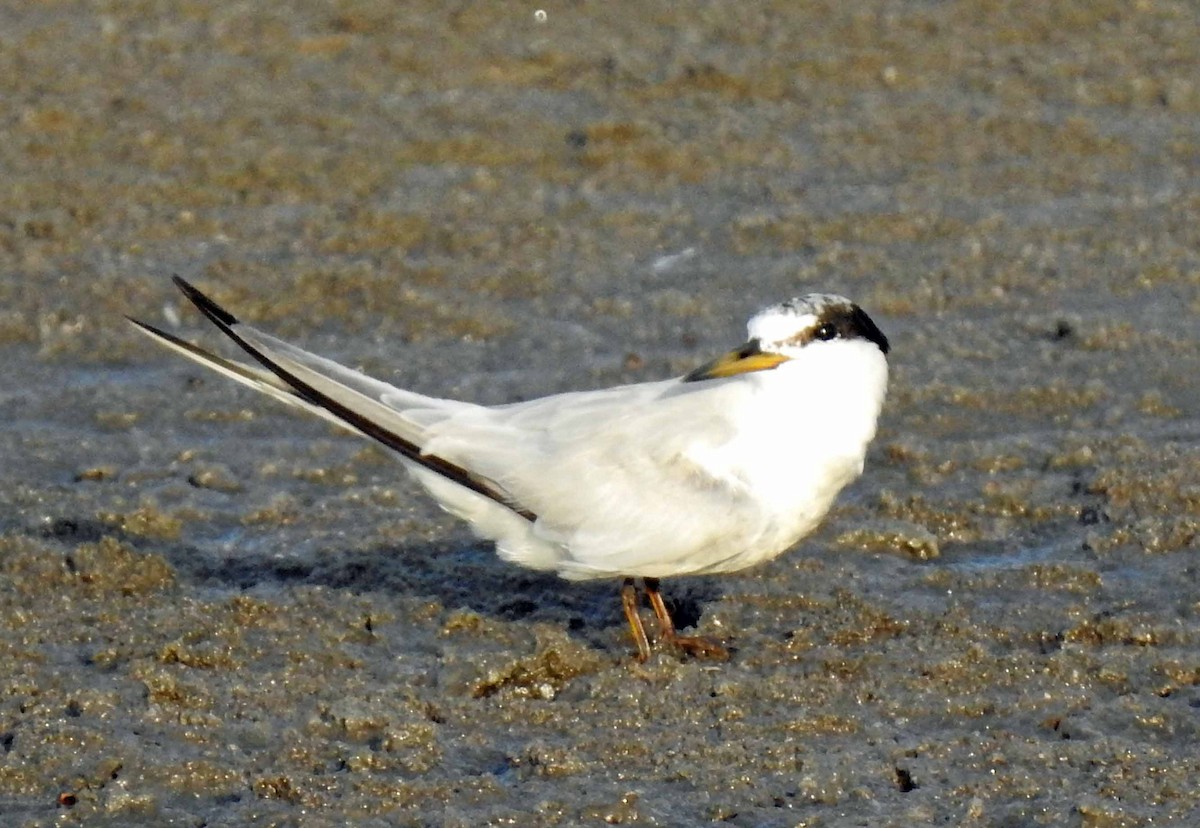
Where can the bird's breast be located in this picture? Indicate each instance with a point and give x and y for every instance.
(801, 436)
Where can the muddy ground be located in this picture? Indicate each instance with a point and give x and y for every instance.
(214, 612)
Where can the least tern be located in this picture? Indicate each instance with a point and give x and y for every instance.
(718, 470)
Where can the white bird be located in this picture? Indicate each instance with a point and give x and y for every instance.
(715, 471)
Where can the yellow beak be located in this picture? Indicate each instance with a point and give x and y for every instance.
(744, 360)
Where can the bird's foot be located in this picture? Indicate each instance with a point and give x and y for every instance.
(694, 646)
(697, 646)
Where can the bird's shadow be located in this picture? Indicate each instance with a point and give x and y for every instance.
(460, 573)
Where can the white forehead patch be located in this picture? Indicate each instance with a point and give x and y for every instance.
(777, 325)
(781, 322)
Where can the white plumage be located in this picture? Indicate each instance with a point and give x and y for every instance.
(712, 472)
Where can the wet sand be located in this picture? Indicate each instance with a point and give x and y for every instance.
(214, 612)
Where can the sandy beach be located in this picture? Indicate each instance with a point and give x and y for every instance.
(214, 611)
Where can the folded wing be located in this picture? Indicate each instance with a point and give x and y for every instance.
(336, 393)
(590, 484)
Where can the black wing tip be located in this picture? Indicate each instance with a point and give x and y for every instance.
(314, 396)
(207, 306)
(146, 327)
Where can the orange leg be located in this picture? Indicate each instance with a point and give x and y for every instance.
(694, 645)
(629, 602)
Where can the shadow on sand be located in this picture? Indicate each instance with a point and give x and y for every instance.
(460, 573)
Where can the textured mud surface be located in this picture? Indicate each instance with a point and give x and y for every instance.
(213, 612)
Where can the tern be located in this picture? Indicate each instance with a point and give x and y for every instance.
(712, 472)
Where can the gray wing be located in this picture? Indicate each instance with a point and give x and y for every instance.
(339, 394)
(617, 477)
(590, 483)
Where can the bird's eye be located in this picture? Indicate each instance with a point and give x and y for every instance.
(826, 332)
